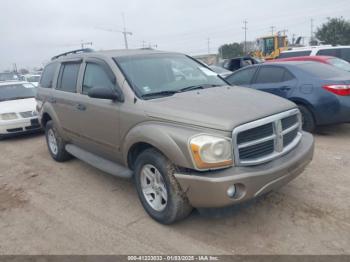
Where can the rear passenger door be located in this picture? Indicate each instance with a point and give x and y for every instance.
(64, 98)
(275, 80)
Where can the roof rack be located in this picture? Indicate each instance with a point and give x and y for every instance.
(84, 50)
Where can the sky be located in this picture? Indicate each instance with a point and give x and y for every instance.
(32, 31)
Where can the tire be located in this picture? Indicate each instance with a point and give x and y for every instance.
(176, 207)
(308, 120)
(57, 152)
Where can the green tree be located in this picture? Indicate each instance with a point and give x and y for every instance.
(230, 50)
(336, 31)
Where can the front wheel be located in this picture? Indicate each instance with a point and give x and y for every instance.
(158, 190)
(55, 143)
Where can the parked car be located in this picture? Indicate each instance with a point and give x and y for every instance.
(342, 52)
(189, 141)
(321, 91)
(234, 64)
(34, 79)
(330, 60)
(220, 71)
(10, 77)
(17, 109)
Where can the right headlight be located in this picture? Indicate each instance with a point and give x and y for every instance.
(8, 116)
(211, 152)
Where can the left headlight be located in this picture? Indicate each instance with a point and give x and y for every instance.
(211, 152)
(8, 116)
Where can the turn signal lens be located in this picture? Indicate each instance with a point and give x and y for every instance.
(340, 90)
(211, 152)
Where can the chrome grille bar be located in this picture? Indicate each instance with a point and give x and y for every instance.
(259, 149)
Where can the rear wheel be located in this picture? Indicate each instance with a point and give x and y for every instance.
(308, 120)
(158, 190)
(55, 143)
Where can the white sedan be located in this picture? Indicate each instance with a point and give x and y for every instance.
(17, 109)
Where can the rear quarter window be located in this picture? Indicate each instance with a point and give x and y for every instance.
(48, 75)
(294, 54)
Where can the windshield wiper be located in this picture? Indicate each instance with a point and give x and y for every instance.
(196, 87)
(160, 93)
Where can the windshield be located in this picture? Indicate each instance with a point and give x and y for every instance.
(33, 79)
(166, 73)
(8, 77)
(340, 63)
(17, 91)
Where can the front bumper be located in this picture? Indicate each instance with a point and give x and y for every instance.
(209, 189)
(19, 126)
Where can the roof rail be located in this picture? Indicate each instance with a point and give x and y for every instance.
(84, 50)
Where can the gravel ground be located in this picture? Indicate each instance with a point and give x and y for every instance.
(72, 208)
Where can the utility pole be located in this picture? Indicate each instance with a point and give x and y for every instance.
(143, 44)
(208, 43)
(272, 29)
(83, 44)
(312, 31)
(245, 22)
(125, 33)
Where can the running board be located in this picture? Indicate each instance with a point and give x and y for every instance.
(99, 162)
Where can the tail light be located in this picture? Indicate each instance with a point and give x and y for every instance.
(340, 90)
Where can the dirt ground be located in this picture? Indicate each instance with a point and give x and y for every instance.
(72, 208)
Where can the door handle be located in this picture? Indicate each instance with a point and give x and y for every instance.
(285, 88)
(81, 107)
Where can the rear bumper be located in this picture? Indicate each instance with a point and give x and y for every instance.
(210, 189)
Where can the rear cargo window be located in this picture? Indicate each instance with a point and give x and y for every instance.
(294, 54)
(48, 75)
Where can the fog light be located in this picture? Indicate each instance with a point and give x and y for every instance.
(231, 191)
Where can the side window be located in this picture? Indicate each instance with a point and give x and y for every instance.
(67, 79)
(345, 54)
(48, 75)
(328, 52)
(294, 54)
(243, 77)
(270, 74)
(95, 76)
(287, 76)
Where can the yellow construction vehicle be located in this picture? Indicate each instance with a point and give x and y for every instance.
(270, 47)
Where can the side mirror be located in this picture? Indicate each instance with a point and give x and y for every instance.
(106, 93)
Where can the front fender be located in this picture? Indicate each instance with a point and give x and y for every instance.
(171, 140)
(48, 109)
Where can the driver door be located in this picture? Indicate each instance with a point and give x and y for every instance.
(99, 118)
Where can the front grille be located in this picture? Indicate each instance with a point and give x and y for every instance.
(263, 140)
(255, 133)
(256, 151)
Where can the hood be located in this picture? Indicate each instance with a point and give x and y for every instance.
(222, 108)
(18, 105)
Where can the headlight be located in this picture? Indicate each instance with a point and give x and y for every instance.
(211, 152)
(8, 116)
